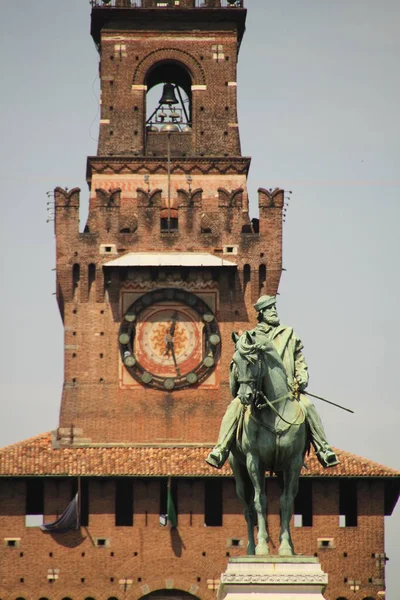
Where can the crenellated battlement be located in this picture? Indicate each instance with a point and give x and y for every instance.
(111, 210)
(66, 199)
(271, 198)
(215, 221)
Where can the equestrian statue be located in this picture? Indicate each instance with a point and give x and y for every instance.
(270, 423)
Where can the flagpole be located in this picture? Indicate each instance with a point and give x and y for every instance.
(168, 500)
(171, 511)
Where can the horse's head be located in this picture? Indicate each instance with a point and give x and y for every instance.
(248, 366)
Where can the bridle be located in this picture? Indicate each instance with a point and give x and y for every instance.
(258, 394)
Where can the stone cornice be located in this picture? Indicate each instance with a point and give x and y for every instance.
(138, 19)
(203, 165)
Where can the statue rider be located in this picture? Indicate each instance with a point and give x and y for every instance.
(289, 348)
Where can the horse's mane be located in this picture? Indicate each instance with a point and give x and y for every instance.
(246, 346)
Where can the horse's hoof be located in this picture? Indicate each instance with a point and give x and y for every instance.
(285, 551)
(262, 550)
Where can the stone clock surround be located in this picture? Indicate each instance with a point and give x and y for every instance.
(177, 316)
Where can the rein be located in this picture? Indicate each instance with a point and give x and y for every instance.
(271, 405)
(260, 393)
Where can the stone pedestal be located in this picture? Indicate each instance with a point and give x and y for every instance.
(273, 578)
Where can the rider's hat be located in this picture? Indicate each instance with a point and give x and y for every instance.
(264, 302)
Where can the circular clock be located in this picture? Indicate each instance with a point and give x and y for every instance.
(169, 339)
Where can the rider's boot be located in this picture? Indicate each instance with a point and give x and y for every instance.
(227, 433)
(324, 452)
(217, 457)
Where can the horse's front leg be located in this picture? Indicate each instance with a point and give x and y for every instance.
(289, 492)
(257, 476)
(245, 493)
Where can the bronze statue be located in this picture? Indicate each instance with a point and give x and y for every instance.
(289, 348)
(269, 423)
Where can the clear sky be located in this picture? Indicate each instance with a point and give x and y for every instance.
(319, 98)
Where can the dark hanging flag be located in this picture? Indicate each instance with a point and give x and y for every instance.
(171, 512)
(68, 521)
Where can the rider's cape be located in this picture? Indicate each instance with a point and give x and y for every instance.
(287, 344)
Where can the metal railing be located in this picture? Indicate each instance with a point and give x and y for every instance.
(106, 4)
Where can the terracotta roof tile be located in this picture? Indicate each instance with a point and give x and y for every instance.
(36, 456)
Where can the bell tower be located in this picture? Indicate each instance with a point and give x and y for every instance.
(169, 262)
(194, 50)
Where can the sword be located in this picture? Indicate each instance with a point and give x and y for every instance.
(327, 401)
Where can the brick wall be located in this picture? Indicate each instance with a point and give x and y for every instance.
(92, 396)
(193, 556)
(208, 57)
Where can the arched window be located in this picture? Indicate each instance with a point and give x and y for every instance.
(43, 598)
(246, 276)
(91, 275)
(113, 598)
(262, 278)
(76, 275)
(66, 598)
(256, 225)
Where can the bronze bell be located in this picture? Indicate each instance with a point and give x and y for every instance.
(168, 95)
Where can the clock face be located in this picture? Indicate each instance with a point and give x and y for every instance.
(169, 339)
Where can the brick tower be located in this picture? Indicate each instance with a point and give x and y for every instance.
(169, 214)
(168, 264)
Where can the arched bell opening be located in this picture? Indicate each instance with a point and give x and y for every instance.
(169, 90)
(168, 109)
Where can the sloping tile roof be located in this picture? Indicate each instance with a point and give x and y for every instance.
(36, 456)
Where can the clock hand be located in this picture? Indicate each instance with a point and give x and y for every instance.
(173, 324)
(174, 359)
(169, 338)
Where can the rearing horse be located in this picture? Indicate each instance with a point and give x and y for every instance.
(271, 436)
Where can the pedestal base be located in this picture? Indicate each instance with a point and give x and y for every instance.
(273, 578)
